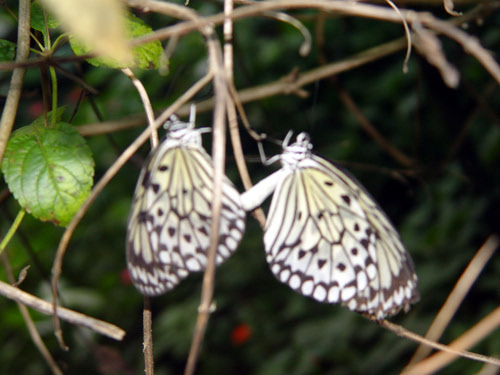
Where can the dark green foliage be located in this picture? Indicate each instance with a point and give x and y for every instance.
(445, 205)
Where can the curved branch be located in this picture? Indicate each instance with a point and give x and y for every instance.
(16, 83)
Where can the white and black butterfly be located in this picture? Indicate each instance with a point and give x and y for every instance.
(168, 233)
(327, 238)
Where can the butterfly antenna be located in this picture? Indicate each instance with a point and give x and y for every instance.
(192, 113)
(285, 142)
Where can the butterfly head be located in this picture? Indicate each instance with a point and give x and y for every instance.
(184, 132)
(296, 152)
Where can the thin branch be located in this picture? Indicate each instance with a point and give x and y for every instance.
(287, 85)
(371, 130)
(147, 322)
(33, 331)
(218, 155)
(233, 99)
(279, 87)
(239, 156)
(453, 350)
(112, 126)
(470, 44)
(146, 103)
(407, 33)
(78, 80)
(16, 82)
(306, 46)
(147, 314)
(73, 317)
(170, 9)
(292, 84)
(457, 296)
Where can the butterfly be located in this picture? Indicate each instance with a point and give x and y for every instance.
(168, 232)
(327, 238)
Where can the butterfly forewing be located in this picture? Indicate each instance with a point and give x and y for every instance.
(169, 225)
(327, 238)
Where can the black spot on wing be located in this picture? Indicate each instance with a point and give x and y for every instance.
(146, 180)
(142, 216)
(346, 199)
(203, 230)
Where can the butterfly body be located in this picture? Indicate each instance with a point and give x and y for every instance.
(170, 220)
(326, 237)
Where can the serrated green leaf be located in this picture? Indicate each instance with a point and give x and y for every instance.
(7, 50)
(146, 56)
(49, 170)
(40, 19)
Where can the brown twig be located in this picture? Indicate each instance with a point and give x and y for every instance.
(353, 107)
(112, 126)
(282, 86)
(147, 314)
(146, 103)
(218, 155)
(16, 82)
(65, 314)
(456, 296)
(233, 100)
(470, 44)
(295, 83)
(147, 322)
(33, 331)
(453, 350)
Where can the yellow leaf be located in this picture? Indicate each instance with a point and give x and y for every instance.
(98, 24)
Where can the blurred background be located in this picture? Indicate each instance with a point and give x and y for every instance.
(442, 192)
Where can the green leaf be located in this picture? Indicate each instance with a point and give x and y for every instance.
(49, 170)
(146, 56)
(52, 117)
(41, 19)
(7, 50)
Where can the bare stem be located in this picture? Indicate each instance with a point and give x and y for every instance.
(456, 296)
(218, 154)
(16, 82)
(35, 335)
(70, 316)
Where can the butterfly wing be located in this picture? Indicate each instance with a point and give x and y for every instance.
(169, 225)
(326, 238)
